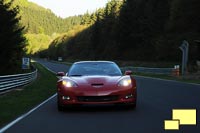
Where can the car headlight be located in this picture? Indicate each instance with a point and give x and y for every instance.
(125, 82)
(69, 83)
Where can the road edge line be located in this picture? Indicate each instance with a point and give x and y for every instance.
(29, 112)
(25, 115)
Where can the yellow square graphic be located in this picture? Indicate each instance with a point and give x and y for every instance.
(186, 116)
(171, 125)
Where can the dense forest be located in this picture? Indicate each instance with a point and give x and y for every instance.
(136, 30)
(147, 30)
(37, 19)
(42, 26)
(12, 40)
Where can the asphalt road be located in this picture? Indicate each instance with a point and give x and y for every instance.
(156, 99)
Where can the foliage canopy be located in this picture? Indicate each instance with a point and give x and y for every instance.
(12, 41)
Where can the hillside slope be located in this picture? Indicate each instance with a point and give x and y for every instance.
(38, 19)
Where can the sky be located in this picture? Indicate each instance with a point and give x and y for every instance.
(66, 8)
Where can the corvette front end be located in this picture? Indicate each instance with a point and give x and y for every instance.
(87, 86)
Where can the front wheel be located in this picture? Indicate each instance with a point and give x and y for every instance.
(59, 106)
(126, 105)
(131, 105)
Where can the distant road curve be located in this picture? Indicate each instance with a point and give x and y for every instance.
(54, 67)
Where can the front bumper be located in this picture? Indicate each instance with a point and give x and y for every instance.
(70, 97)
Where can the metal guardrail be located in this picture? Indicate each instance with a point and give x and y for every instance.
(167, 71)
(12, 81)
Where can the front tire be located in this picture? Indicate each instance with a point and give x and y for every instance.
(59, 106)
(131, 105)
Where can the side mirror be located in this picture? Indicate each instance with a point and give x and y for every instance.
(128, 72)
(60, 74)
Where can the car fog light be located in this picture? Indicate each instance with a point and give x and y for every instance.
(66, 98)
(129, 96)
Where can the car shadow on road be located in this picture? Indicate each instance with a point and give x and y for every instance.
(98, 108)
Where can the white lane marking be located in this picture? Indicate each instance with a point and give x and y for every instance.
(28, 113)
(167, 80)
(47, 68)
(25, 115)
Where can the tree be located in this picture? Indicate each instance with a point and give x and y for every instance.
(184, 24)
(184, 16)
(12, 41)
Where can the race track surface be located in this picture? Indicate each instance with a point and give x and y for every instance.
(156, 99)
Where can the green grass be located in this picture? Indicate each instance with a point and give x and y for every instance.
(168, 77)
(15, 103)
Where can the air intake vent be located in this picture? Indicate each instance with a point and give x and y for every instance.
(99, 84)
(97, 98)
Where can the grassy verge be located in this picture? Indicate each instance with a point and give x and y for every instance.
(168, 77)
(17, 102)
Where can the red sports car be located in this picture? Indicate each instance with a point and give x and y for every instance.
(95, 82)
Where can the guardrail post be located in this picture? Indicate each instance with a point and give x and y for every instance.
(184, 48)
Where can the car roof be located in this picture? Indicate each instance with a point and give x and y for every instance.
(80, 62)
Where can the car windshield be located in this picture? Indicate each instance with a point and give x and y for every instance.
(94, 68)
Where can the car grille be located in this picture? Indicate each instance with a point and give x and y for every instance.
(97, 98)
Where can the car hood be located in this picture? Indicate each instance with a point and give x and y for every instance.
(95, 80)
